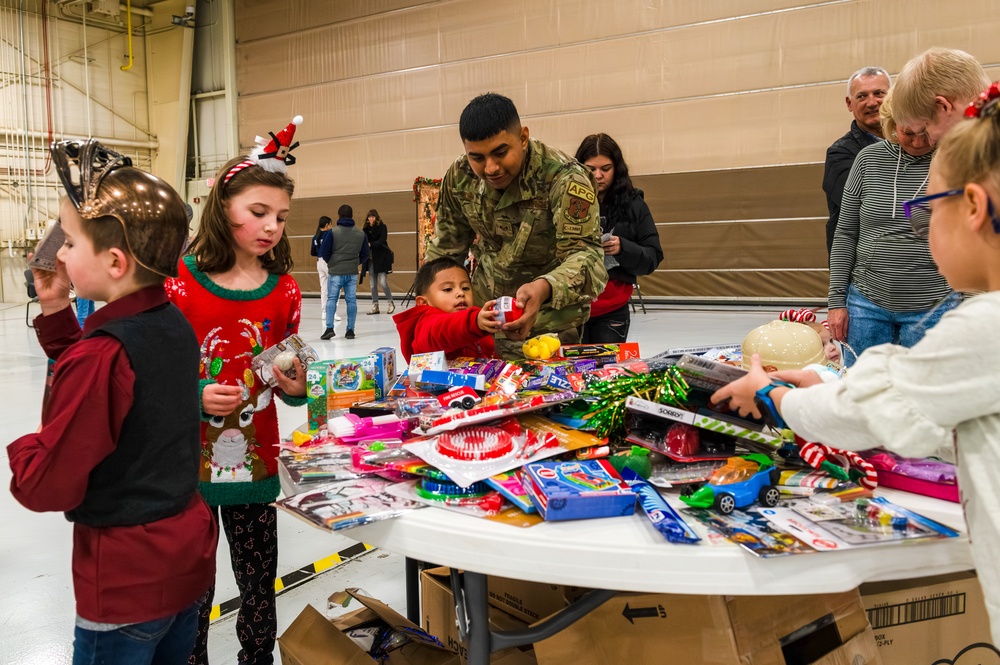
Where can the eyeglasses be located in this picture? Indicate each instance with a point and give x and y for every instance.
(919, 213)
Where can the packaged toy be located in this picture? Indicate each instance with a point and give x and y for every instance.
(348, 381)
(738, 484)
(577, 490)
(664, 518)
(282, 355)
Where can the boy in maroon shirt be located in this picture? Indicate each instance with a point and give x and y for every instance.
(118, 450)
(444, 318)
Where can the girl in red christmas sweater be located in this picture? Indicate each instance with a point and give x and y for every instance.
(235, 289)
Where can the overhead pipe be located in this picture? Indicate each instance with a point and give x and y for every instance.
(125, 143)
(128, 31)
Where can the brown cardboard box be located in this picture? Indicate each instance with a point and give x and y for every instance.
(930, 620)
(529, 601)
(761, 630)
(437, 604)
(314, 640)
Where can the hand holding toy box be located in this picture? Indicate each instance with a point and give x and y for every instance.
(44, 256)
(283, 356)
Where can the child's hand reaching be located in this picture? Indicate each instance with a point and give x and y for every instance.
(487, 318)
(292, 387)
(218, 399)
(742, 392)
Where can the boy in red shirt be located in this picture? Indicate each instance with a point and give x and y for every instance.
(118, 450)
(444, 318)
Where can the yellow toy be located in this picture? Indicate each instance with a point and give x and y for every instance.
(298, 438)
(541, 347)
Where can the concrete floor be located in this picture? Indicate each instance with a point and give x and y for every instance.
(36, 596)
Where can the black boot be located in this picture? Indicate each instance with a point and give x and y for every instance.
(328, 334)
(350, 334)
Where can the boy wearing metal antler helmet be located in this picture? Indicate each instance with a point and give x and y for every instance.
(118, 449)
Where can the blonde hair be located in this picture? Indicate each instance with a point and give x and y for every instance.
(886, 118)
(949, 73)
(970, 152)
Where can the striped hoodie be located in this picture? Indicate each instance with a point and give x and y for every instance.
(874, 247)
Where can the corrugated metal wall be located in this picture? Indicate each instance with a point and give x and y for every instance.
(723, 109)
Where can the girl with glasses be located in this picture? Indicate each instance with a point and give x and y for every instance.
(944, 393)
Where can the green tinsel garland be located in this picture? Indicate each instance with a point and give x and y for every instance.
(606, 413)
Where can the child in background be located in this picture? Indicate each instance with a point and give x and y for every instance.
(118, 447)
(945, 390)
(444, 318)
(236, 290)
(830, 348)
(806, 316)
(84, 308)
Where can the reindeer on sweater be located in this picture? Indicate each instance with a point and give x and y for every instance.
(230, 446)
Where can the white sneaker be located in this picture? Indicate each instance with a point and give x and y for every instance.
(337, 318)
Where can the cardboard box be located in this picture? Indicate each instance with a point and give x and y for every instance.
(929, 620)
(382, 364)
(316, 394)
(437, 604)
(828, 629)
(530, 601)
(314, 640)
(349, 381)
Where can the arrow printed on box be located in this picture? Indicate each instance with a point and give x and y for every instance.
(644, 613)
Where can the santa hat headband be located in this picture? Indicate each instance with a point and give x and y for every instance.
(273, 155)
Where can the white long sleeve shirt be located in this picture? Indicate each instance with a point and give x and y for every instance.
(944, 391)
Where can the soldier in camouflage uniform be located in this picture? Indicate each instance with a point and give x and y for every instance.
(530, 216)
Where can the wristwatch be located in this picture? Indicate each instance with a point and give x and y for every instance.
(767, 408)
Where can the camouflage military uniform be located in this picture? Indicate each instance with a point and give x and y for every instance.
(546, 224)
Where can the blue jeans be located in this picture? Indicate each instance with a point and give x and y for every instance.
(870, 325)
(349, 283)
(166, 641)
(84, 308)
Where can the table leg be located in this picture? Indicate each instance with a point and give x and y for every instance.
(413, 590)
(473, 618)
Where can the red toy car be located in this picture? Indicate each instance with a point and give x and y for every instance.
(462, 397)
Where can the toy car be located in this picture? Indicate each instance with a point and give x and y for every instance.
(737, 484)
(462, 397)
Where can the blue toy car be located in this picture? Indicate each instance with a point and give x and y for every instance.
(737, 484)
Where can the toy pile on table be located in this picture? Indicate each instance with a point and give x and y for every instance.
(576, 432)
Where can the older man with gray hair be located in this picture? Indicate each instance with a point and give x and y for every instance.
(866, 88)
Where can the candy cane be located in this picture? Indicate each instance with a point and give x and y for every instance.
(804, 315)
(818, 455)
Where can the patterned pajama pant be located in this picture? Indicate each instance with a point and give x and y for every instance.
(252, 532)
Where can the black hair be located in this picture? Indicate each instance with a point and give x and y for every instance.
(345, 212)
(323, 221)
(486, 116)
(614, 207)
(605, 146)
(428, 273)
(373, 213)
